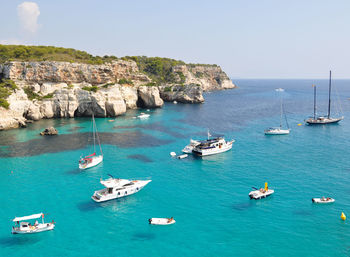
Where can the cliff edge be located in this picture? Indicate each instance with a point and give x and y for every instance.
(33, 90)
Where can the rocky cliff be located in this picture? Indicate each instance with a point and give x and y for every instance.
(52, 89)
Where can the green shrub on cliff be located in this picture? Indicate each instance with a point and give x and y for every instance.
(91, 89)
(159, 69)
(168, 89)
(31, 94)
(150, 84)
(7, 86)
(125, 81)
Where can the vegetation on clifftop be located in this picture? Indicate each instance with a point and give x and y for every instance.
(7, 86)
(49, 53)
(160, 70)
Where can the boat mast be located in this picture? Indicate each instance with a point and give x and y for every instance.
(329, 94)
(314, 101)
(281, 110)
(93, 132)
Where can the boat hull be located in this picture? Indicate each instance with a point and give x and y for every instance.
(40, 228)
(212, 151)
(103, 196)
(96, 160)
(277, 131)
(161, 221)
(319, 200)
(323, 121)
(257, 195)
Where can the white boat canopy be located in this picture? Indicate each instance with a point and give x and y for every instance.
(114, 182)
(30, 217)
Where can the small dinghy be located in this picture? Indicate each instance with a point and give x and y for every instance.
(323, 200)
(143, 115)
(182, 156)
(261, 193)
(161, 221)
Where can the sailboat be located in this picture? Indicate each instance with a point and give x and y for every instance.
(279, 130)
(92, 159)
(320, 120)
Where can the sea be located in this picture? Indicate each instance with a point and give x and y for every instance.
(208, 197)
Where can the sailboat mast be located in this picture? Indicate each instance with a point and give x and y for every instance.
(281, 110)
(93, 132)
(314, 101)
(329, 94)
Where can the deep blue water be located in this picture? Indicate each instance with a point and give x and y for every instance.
(207, 197)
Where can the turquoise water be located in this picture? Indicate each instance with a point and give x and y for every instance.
(207, 197)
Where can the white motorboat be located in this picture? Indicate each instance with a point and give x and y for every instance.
(182, 156)
(279, 130)
(143, 115)
(323, 120)
(117, 188)
(25, 227)
(92, 159)
(261, 193)
(161, 221)
(212, 146)
(189, 148)
(323, 200)
(276, 131)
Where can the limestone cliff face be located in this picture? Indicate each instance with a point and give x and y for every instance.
(62, 89)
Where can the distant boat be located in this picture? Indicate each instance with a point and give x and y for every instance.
(26, 228)
(92, 159)
(143, 116)
(321, 120)
(279, 130)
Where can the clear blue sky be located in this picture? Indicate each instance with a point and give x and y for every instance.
(248, 38)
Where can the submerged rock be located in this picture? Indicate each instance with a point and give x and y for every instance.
(49, 132)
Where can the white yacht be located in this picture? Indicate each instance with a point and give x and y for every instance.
(212, 146)
(26, 227)
(189, 148)
(116, 188)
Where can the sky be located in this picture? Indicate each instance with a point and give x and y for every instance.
(247, 38)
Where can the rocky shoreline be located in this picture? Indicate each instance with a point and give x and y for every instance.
(52, 89)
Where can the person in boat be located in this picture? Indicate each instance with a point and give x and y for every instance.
(36, 223)
(171, 219)
(323, 198)
(262, 190)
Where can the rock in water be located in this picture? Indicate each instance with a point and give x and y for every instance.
(49, 132)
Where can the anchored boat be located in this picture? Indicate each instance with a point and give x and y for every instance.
(279, 130)
(322, 120)
(261, 193)
(212, 146)
(161, 221)
(117, 188)
(143, 115)
(323, 200)
(22, 226)
(92, 159)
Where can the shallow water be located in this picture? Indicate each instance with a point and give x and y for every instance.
(207, 197)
